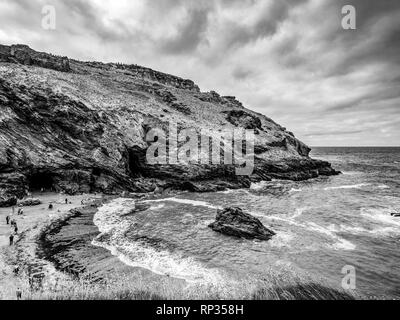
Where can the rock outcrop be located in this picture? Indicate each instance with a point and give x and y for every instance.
(73, 126)
(29, 202)
(234, 222)
(22, 54)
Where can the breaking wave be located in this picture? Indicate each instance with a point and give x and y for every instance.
(113, 227)
(355, 186)
(186, 201)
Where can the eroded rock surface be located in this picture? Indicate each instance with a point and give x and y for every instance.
(234, 222)
(73, 126)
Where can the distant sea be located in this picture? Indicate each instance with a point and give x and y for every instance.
(322, 225)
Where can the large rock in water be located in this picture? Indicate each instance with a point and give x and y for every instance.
(73, 126)
(234, 222)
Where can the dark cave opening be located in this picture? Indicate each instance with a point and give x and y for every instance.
(136, 159)
(41, 180)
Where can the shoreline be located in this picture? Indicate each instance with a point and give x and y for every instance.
(67, 244)
(41, 251)
(59, 248)
(36, 221)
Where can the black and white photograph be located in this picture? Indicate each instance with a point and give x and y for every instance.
(199, 150)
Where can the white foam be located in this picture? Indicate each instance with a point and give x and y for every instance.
(228, 191)
(382, 216)
(281, 240)
(353, 230)
(352, 173)
(343, 244)
(136, 254)
(258, 185)
(295, 190)
(330, 231)
(381, 231)
(288, 219)
(187, 201)
(383, 186)
(112, 226)
(157, 207)
(355, 186)
(340, 244)
(298, 213)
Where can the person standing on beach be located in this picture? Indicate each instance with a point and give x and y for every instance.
(66, 201)
(11, 239)
(16, 229)
(8, 219)
(19, 293)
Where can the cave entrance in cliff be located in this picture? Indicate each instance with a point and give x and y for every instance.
(136, 159)
(41, 180)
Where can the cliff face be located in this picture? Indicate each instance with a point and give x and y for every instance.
(81, 126)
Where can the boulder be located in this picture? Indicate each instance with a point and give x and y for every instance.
(7, 200)
(29, 202)
(234, 222)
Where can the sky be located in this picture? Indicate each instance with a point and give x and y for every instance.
(288, 59)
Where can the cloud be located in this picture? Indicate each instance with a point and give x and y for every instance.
(190, 33)
(288, 59)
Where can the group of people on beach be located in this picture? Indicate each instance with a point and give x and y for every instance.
(10, 220)
(13, 223)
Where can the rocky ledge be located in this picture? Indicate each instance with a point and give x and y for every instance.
(234, 222)
(73, 126)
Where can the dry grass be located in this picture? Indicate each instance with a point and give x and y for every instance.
(128, 288)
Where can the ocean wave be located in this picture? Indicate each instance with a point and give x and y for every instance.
(113, 227)
(349, 229)
(352, 173)
(187, 201)
(358, 230)
(157, 207)
(380, 215)
(282, 239)
(287, 218)
(259, 185)
(340, 244)
(355, 186)
(383, 186)
(229, 191)
(330, 231)
(162, 262)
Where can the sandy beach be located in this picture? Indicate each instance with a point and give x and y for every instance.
(56, 247)
(23, 252)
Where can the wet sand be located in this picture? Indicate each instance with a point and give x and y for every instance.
(69, 247)
(30, 226)
(57, 244)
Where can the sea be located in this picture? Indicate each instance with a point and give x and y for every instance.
(326, 229)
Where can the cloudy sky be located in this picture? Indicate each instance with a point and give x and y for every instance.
(288, 59)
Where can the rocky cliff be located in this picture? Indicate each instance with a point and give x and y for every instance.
(80, 127)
